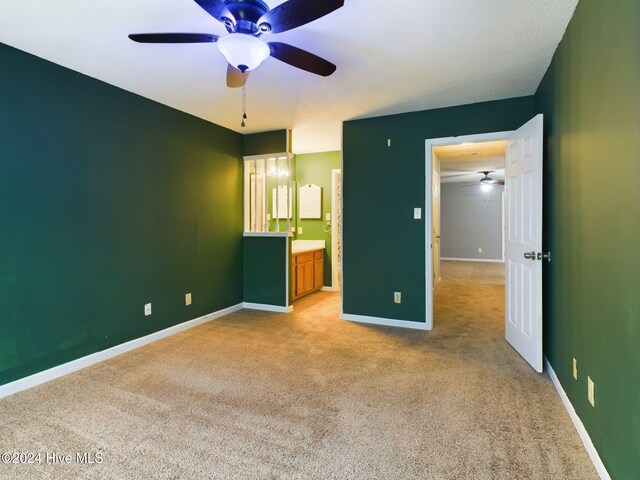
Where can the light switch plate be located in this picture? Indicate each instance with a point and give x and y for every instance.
(147, 309)
(187, 299)
(417, 213)
(299, 230)
(328, 217)
(575, 369)
(591, 394)
(397, 297)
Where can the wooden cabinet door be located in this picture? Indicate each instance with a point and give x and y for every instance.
(308, 276)
(318, 269)
(307, 273)
(318, 274)
(300, 290)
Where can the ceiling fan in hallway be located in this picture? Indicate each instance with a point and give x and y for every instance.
(246, 21)
(486, 182)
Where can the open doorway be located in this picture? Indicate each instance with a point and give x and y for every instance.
(522, 234)
(468, 231)
(468, 204)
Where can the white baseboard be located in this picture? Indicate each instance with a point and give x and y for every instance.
(88, 360)
(384, 321)
(582, 432)
(488, 260)
(267, 308)
(330, 289)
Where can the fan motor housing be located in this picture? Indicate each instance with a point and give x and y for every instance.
(247, 12)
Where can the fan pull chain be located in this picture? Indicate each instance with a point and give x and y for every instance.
(244, 103)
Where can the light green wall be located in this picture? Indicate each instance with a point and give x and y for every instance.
(590, 97)
(316, 168)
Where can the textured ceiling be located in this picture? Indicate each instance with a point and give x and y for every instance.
(392, 56)
(461, 163)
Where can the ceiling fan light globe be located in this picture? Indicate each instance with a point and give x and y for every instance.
(486, 187)
(241, 49)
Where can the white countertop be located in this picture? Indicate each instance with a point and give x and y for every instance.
(300, 246)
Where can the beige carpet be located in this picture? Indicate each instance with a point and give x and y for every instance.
(305, 395)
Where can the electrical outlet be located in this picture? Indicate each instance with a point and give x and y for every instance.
(187, 299)
(397, 297)
(591, 395)
(328, 217)
(299, 230)
(147, 309)
(479, 249)
(388, 142)
(575, 369)
(417, 213)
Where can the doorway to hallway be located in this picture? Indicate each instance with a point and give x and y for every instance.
(523, 234)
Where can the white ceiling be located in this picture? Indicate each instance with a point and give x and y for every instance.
(393, 56)
(462, 162)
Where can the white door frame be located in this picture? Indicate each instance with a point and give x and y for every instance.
(335, 272)
(428, 224)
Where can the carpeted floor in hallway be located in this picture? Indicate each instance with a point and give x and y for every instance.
(302, 396)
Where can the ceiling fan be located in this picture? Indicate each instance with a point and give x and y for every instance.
(246, 21)
(486, 181)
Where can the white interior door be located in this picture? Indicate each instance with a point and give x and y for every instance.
(523, 269)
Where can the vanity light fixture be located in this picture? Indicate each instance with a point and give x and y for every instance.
(280, 172)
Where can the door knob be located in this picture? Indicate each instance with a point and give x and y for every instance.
(530, 255)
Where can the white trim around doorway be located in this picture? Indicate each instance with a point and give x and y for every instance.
(335, 272)
(428, 214)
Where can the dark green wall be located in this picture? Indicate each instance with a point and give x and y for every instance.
(316, 168)
(107, 201)
(590, 97)
(384, 247)
(266, 142)
(265, 261)
(265, 270)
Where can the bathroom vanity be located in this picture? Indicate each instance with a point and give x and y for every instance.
(307, 267)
